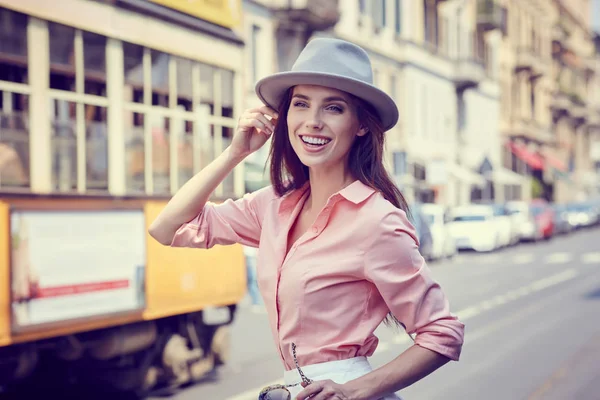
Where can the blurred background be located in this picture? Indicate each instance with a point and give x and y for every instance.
(107, 107)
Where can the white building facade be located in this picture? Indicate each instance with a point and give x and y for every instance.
(428, 56)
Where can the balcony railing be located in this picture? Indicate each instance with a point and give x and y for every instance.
(491, 15)
(317, 15)
(468, 73)
(530, 59)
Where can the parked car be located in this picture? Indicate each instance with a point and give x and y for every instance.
(473, 227)
(423, 231)
(444, 245)
(562, 225)
(509, 230)
(582, 215)
(529, 228)
(544, 217)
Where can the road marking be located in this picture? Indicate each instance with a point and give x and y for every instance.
(463, 314)
(488, 259)
(523, 291)
(591, 258)
(525, 258)
(558, 258)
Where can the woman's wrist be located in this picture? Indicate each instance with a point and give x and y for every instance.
(355, 390)
(234, 157)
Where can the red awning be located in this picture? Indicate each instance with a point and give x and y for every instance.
(533, 160)
(555, 162)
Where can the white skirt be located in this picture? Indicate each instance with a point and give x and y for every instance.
(340, 372)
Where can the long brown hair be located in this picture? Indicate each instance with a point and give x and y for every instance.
(365, 159)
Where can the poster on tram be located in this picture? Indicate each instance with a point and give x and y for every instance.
(68, 265)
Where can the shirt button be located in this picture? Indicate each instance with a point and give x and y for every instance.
(315, 229)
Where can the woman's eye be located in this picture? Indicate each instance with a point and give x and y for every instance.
(300, 104)
(336, 109)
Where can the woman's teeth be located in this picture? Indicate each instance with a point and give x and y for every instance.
(315, 141)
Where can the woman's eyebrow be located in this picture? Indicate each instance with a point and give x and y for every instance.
(327, 99)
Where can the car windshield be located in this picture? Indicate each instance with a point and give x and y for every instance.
(464, 218)
(430, 218)
(537, 210)
(499, 210)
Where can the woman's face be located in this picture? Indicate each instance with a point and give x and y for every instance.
(322, 125)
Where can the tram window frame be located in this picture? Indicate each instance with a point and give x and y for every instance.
(79, 106)
(196, 115)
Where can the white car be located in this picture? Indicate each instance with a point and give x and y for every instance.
(509, 229)
(522, 217)
(474, 227)
(443, 242)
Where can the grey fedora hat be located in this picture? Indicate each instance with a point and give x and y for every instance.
(336, 64)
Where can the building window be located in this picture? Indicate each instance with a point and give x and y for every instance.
(516, 96)
(430, 14)
(462, 113)
(79, 135)
(254, 49)
(398, 24)
(362, 6)
(14, 101)
(400, 163)
(378, 13)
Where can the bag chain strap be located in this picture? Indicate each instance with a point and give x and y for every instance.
(304, 378)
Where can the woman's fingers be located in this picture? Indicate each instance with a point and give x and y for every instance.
(266, 110)
(268, 124)
(256, 123)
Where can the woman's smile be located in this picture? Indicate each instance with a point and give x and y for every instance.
(314, 143)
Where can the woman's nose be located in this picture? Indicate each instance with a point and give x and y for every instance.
(314, 122)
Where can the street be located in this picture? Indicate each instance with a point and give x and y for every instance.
(532, 331)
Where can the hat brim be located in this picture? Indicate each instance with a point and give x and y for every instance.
(271, 89)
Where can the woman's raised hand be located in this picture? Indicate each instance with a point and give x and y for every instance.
(253, 130)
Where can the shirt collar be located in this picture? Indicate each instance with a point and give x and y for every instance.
(356, 192)
(292, 198)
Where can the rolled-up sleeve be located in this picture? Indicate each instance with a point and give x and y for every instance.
(395, 266)
(233, 221)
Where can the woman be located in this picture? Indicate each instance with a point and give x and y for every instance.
(337, 252)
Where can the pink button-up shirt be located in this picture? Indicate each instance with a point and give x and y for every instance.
(357, 262)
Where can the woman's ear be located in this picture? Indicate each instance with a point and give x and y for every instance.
(362, 131)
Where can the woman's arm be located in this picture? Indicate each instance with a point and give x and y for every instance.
(409, 367)
(253, 131)
(192, 197)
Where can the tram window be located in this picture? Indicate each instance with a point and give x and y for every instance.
(227, 93)
(134, 152)
(14, 107)
(134, 72)
(160, 154)
(94, 63)
(13, 34)
(207, 90)
(64, 146)
(96, 133)
(62, 56)
(14, 139)
(184, 82)
(160, 78)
